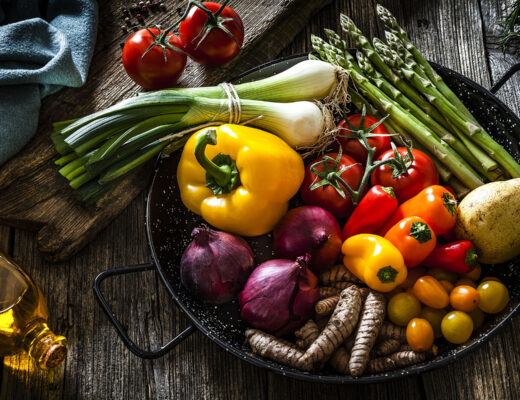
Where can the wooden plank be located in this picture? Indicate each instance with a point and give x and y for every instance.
(35, 197)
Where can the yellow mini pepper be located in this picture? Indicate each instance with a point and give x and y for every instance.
(242, 182)
(374, 260)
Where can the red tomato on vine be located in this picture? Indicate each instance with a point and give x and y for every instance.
(154, 58)
(213, 33)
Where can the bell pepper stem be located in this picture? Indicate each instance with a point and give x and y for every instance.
(222, 173)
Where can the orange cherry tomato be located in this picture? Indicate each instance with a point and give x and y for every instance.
(464, 298)
(474, 274)
(465, 282)
(419, 334)
(414, 238)
(447, 285)
(412, 276)
(430, 292)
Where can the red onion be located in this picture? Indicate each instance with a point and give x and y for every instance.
(311, 230)
(215, 265)
(279, 296)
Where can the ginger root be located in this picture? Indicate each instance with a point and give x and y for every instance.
(385, 347)
(340, 326)
(370, 323)
(338, 273)
(278, 350)
(326, 306)
(391, 331)
(307, 334)
(327, 291)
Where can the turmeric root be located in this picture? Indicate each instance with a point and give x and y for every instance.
(327, 291)
(339, 360)
(364, 291)
(399, 359)
(385, 347)
(370, 323)
(340, 326)
(307, 334)
(381, 364)
(278, 350)
(341, 285)
(326, 306)
(391, 331)
(338, 273)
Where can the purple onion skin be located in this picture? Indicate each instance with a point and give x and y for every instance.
(215, 265)
(312, 230)
(279, 296)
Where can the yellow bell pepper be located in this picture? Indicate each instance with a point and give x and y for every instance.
(242, 182)
(374, 260)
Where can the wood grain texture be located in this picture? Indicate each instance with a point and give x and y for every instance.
(35, 197)
(99, 366)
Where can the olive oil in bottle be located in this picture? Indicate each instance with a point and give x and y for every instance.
(23, 319)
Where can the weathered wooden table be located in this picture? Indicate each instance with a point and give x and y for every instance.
(459, 34)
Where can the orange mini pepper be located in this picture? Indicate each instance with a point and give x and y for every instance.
(414, 238)
(435, 204)
(430, 292)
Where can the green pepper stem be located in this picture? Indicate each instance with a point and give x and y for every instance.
(221, 174)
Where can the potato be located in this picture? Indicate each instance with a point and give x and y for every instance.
(489, 217)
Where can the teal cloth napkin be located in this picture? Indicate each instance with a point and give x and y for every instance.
(44, 46)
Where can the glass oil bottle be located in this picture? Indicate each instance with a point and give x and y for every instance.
(23, 319)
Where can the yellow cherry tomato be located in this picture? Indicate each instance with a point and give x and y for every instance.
(457, 327)
(434, 317)
(419, 334)
(402, 308)
(467, 282)
(490, 278)
(447, 285)
(474, 274)
(478, 318)
(464, 298)
(494, 296)
(442, 274)
(430, 292)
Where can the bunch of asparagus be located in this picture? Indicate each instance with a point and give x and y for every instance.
(395, 79)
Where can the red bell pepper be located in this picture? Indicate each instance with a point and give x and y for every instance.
(459, 257)
(372, 211)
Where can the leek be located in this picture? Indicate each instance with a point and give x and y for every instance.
(101, 149)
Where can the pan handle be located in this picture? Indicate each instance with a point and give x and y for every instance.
(510, 72)
(119, 328)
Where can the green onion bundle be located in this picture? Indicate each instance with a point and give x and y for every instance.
(101, 149)
(395, 79)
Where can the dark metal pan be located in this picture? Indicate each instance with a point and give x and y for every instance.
(169, 225)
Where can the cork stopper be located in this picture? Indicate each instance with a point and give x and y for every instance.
(50, 351)
(47, 349)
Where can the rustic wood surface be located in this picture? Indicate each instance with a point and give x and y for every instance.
(34, 196)
(457, 33)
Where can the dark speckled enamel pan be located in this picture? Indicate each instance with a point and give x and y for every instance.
(169, 225)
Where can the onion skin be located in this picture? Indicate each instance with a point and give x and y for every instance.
(312, 230)
(279, 296)
(215, 265)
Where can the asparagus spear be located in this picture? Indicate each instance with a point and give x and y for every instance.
(441, 149)
(362, 42)
(359, 101)
(391, 23)
(439, 130)
(472, 153)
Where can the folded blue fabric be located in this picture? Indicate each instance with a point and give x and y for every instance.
(44, 46)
